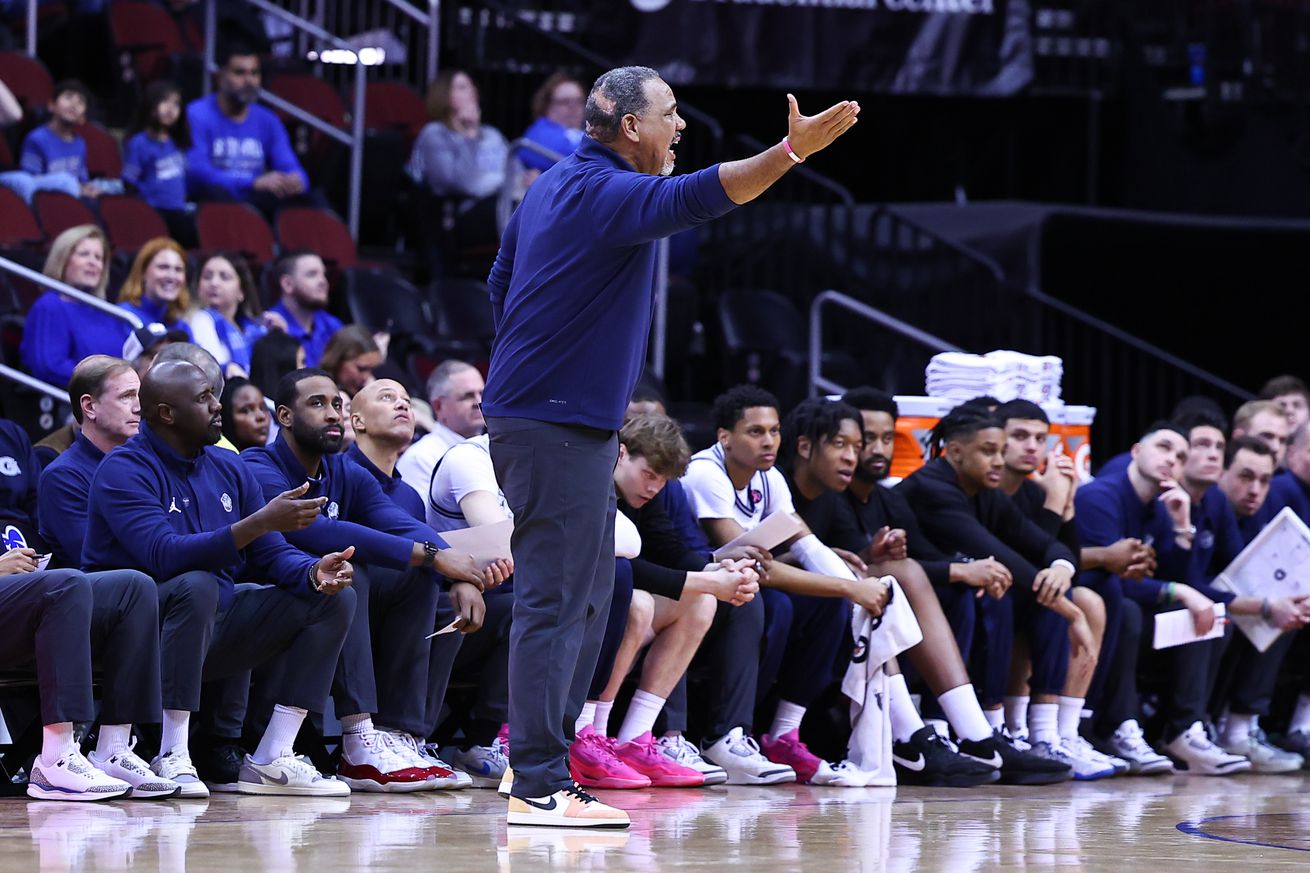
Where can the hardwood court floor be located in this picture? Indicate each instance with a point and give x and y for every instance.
(1125, 825)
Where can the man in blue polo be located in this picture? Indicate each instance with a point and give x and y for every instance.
(383, 668)
(572, 295)
(194, 519)
(301, 277)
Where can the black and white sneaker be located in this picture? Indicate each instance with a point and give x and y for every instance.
(928, 759)
(1017, 767)
(220, 767)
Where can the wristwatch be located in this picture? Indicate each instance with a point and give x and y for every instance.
(430, 552)
(1185, 531)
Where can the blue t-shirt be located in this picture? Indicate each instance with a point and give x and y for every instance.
(559, 139)
(60, 332)
(230, 155)
(237, 340)
(152, 311)
(45, 151)
(157, 170)
(320, 332)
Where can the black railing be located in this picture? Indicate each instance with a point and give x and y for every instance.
(965, 298)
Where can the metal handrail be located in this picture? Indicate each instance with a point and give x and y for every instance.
(961, 249)
(356, 138)
(1140, 344)
(34, 383)
(432, 18)
(864, 310)
(78, 294)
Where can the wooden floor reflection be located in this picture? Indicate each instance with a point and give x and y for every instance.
(1152, 825)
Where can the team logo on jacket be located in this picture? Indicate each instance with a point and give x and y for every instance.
(226, 501)
(14, 538)
(861, 651)
(756, 496)
(9, 466)
(332, 510)
(172, 506)
(1205, 539)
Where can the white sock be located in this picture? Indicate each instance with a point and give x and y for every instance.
(56, 739)
(905, 718)
(1016, 715)
(965, 715)
(585, 718)
(642, 712)
(280, 737)
(1238, 728)
(113, 738)
(995, 718)
(1070, 713)
(1301, 717)
(353, 730)
(175, 730)
(602, 722)
(786, 718)
(1043, 723)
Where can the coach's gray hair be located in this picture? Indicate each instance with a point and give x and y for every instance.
(439, 380)
(620, 92)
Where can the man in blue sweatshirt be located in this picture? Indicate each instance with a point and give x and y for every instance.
(193, 517)
(383, 667)
(239, 150)
(572, 295)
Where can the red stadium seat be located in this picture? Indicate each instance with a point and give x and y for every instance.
(393, 106)
(320, 231)
(18, 227)
(7, 161)
(130, 222)
(312, 95)
(103, 158)
(28, 78)
(235, 227)
(146, 36)
(57, 212)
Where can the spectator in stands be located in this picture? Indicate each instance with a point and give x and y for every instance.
(1266, 421)
(302, 278)
(461, 160)
(233, 318)
(1292, 395)
(455, 392)
(245, 414)
(59, 332)
(155, 290)
(240, 151)
(558, 109)
(54, 155)
(154, 159)
(271, 358)
(351, 357)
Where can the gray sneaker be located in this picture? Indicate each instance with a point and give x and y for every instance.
(1264, 756)
(289, 774)
(1129, 743)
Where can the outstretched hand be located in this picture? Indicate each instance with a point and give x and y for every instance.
(814, 133)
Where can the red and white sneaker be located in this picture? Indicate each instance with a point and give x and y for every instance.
(376, 765)
(788, 749)
(594, 764)
(642, 755)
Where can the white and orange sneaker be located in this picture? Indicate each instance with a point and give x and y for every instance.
(567, 808)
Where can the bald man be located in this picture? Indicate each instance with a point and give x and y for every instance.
(383, 667)
(194, 519)
(194, 354)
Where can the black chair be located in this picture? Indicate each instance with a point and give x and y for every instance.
(463, 309)
(764, 342)
(383, 300)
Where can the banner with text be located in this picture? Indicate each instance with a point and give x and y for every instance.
(956, 47)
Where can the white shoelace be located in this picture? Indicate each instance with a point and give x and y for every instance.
(403, 749)
(298, 766)
(746, 747)
(680, 749)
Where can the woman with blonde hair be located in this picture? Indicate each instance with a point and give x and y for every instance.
(60, 331)
(155, 289)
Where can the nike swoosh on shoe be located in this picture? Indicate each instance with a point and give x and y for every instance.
(917, 764)
(544, 807)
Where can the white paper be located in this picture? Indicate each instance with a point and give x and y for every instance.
(42, 561)
(1276, 564)
(486, 543)
(448, 629)
(1177, 628)
(768, 534)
